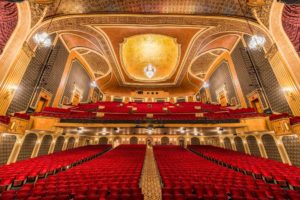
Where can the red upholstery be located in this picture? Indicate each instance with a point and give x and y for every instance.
(19, 172)
(114, 175)
(188, 176)
(259, 167)
(4, 120)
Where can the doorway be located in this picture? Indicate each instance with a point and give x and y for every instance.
(41, 104)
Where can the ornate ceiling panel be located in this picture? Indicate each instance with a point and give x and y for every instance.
(97, 63)
(202, 64)
(159, 51)
(186, 7)
(195, 34)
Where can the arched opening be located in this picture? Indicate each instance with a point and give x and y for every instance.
(59, 144)
(292, 146)
(181, 141)
(27, 147)
(45, 145)
(227, 143)
(71, 143)
(103, 141)
(165, 141)
(253, 146)
(7, 143)
(133, 140)
(195, 141)
(239, 144)
(271, 147)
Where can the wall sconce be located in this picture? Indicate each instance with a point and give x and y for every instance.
(10, 90)
(288, 91)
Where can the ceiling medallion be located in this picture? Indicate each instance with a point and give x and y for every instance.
(149, 70)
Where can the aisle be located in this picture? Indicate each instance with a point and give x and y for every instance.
(151, 187)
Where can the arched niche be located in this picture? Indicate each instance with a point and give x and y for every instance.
(7, 143)
(71, 143)
(45, 145)
(271, 147)
(27, 147)
(59, 144)
(165, 141)
(292, 146)
(253, 146)
(227, 143)
(103, 140)
(195, 141)
(239, 144)
(133, 140)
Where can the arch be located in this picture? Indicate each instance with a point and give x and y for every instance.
(195, 141)
(45, 145)
(181, 141)
(253, 145)
(71, 143)
(292, 146)
(227, 143)
(27, 146)
(165, 140)
(271, 147)
(16, 40)
(133, 140)
(239, 144)
(7, 143)
(103, 140)
(59, 144)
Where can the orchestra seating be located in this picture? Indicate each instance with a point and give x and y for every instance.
(261, 168)
(16, 174)
(186, 176)
(112, 176)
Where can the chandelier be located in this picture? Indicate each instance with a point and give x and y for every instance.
(42, 39)
(257, 42)
(149, 70)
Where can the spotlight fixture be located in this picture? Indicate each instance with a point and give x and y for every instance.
(149, 71)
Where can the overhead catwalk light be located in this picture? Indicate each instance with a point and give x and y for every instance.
(257, 42)
(42, 39)
(149, 70)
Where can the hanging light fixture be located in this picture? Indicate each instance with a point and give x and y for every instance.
(149, 70)
(256, 42)
(43, 39)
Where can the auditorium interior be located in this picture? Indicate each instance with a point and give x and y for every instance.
(149, 99)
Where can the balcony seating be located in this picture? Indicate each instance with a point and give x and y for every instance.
(278, 116)
(16, 174)
(114, 175)
(22, 116)
(260, 168)
(4, 120)
(295, 120)
(188, 176)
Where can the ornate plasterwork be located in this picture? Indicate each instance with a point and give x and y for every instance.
(262, 12)
(210, 26)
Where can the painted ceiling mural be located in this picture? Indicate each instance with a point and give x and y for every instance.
(8, 22)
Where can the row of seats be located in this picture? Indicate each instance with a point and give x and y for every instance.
(188, 176)
(114, 175)
(16, 174)
(260, 168)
